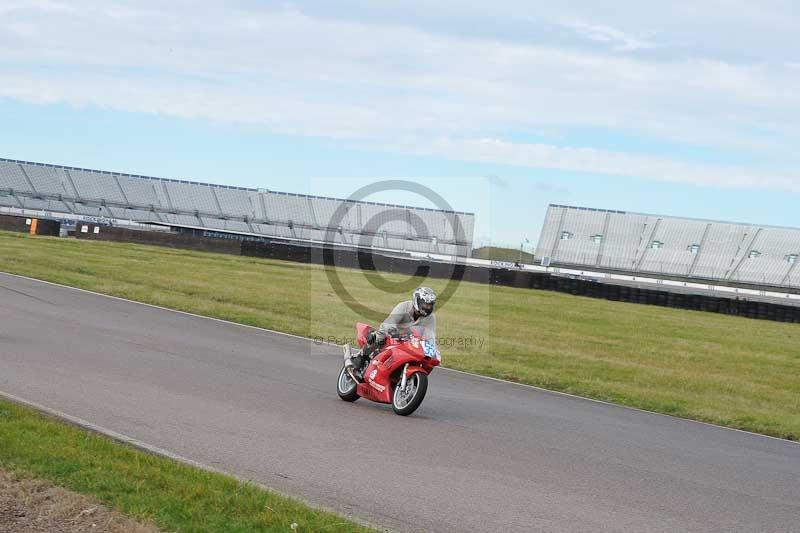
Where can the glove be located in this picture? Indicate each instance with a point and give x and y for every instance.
(376, 337)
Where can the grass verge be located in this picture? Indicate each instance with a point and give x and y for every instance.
(496, 253)
(37, 506)
(731, 371)
(145, 487)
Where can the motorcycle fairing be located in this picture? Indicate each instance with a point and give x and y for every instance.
(362, 330)
(384, 371)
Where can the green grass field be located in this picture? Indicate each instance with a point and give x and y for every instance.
(510, 255)
(146, 487)
(727, 370)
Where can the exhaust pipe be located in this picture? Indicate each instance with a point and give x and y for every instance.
(352, 375)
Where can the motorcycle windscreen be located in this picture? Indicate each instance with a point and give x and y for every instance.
(427, 339)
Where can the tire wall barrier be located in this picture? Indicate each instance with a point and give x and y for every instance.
(524, 280)
(673, 277)
(84, 230)
(32, 225)
(365, 260)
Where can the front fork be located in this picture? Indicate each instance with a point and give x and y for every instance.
(404, 379)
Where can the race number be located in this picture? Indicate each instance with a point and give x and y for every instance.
(430, 349)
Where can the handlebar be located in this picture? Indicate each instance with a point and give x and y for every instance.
(406, 334)
(397, 335)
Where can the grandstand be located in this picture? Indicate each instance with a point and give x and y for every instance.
(606, 240)
(76, 193)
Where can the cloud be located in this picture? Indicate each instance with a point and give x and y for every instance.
(412, 84)
(551, 187)
(497, 182)
(609, 163)
(618, 39)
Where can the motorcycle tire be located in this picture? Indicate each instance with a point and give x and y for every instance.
(404, 406)
(346, 387)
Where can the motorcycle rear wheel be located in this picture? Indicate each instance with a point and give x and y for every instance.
(346, 387)
(405, 402)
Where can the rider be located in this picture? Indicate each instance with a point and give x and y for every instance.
(415, 312)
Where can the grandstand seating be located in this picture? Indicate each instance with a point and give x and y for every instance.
(12, 177)
(674, 254)
(621, 241)
(68, 191)
(771, 266)
(89, 187)
(47, 180)
(139, 192)
(670, 246)
(191, 197)
(236, 202)
(722, 245)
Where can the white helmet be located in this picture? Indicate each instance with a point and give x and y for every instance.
(424, 300)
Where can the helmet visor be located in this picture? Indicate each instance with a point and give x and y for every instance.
(425, 308)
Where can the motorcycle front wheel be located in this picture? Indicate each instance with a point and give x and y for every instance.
(406, 401)
(346, 387)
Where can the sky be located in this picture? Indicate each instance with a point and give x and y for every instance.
(686, 108)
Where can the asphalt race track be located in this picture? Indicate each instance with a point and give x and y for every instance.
(479, 455)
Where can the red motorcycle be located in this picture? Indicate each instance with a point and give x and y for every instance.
(397, 375)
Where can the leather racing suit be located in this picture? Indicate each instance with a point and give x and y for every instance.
(403, 317)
